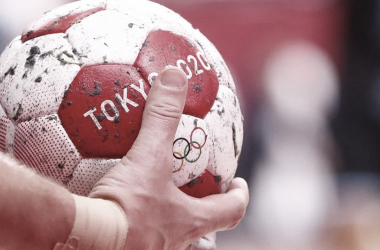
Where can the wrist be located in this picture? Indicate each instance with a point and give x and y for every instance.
(99, 224)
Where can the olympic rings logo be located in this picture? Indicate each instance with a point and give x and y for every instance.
(189, 146)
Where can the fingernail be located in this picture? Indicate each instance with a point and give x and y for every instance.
(173, 78)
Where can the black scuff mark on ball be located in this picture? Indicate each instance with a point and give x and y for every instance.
(191, 176)
(101, 117)
(217, 179)
(43, 129)
(35, 50)
(29, 33)
(11, 71)
(66, 92)
(54, 25)
(221, 112)
(132, 131)
(117, 135)
(51, 118)
(117, 99)
(61, 165)
(38, 79)
(105, 135)
(116, 119)
(200, 45)
(25, 75)
(18, 113)
(130, 25)
(146, 43)
(30, 62)
(45, 54)
(97, 89)
(105, 60)
(234, 140)
(192, 183)
(195, 122)
(117, 82)
(197, 88)
(190, 43)
(69, 103)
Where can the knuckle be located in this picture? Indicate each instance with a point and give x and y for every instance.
(164, 110)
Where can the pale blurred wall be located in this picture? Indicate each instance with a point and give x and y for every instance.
(15, 15)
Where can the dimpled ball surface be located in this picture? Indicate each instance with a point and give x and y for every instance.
(73, 87)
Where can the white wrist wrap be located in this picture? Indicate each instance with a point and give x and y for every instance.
(99, 224)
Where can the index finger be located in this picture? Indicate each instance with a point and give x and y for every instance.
(225, 211)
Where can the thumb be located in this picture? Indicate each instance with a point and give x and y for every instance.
(163, 110)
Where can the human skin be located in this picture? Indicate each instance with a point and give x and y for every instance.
(36, 213)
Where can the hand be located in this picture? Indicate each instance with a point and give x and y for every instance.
(160, 216)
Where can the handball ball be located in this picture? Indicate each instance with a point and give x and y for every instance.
(73, 87)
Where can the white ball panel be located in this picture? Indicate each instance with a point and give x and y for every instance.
(155, 16)
(43, 69)
(88, 173)
(43, 144)
(193, 149)
(225, 123)
(69, 9)
(108, 37)
(8, 62)
(213, 57)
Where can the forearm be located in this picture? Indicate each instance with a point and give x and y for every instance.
(35, 213)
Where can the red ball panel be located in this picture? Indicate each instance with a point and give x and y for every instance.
(57, 24)
(102, 109)
(202, 186)
(162, 48)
